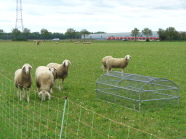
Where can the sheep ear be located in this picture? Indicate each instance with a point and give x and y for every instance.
(69, 62)
(48, 94)
(30, 67)
(39, 93)
(23, 68)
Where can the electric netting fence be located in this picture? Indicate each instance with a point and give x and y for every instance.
(57, 118)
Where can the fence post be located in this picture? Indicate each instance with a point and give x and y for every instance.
(63, 115)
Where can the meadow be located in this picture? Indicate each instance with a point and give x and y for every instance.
(155, 59)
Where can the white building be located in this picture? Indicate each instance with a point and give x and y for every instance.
(104, 36)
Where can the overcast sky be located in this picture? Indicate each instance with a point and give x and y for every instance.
(111, 16)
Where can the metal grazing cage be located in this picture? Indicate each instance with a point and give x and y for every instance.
(136, 91)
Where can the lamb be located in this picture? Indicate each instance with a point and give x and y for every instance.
(104, 67)
(62, 71)
(117, 63)
(23, 80)
(44, 82)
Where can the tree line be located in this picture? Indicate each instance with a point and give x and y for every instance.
(17, 35)
(169, 34)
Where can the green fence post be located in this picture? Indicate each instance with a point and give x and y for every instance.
(63, 116)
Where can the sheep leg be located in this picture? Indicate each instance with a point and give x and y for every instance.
(27, 96)
(23, 93)
(62, 83)
(59, 87)
(122, 70)
(20, 95)
(108, 70)
(57, 84)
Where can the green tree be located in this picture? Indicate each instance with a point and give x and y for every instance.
(70, 33)
(171, 33)
(162, 34)
(44, 33)
(26, 32)
(84, 32)
(1, 32)
(182, 35)
(135, 32)
(16, 32)
(147, 32)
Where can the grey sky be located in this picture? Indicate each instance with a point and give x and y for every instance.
(95, 15)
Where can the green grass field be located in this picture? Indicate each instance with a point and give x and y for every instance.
(155, 59)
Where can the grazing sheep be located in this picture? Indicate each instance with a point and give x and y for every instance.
(53, 70)
(117, 63)
(77, 42)
(44, 81)
(56, 42)
(88, 42)
(62, 71)
(23, 80)
(104, 67)
(37, 42)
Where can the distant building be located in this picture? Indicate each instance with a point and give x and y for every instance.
(116, 36)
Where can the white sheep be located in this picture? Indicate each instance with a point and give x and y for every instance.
(117, 63)
(104, 67)
(62, 71)
(53, 70)
(37, 42)
(23, 80)
(88, 42)
(77, 42)
(44, 81)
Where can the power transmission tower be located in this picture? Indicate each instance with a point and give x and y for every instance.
(19, 20)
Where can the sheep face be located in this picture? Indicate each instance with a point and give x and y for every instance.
(53, 70)
(128, 57)
(26, 68)
(66, 63)
(43, 95)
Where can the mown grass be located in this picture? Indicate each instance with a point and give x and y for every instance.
(155, 59)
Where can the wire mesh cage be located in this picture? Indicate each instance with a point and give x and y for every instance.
(136, 91)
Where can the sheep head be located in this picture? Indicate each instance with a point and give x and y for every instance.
(43, 95)
(53, 70)
(66, 64)
(26, 68)
(128, 57)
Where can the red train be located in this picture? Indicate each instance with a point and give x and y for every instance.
(132, 38)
